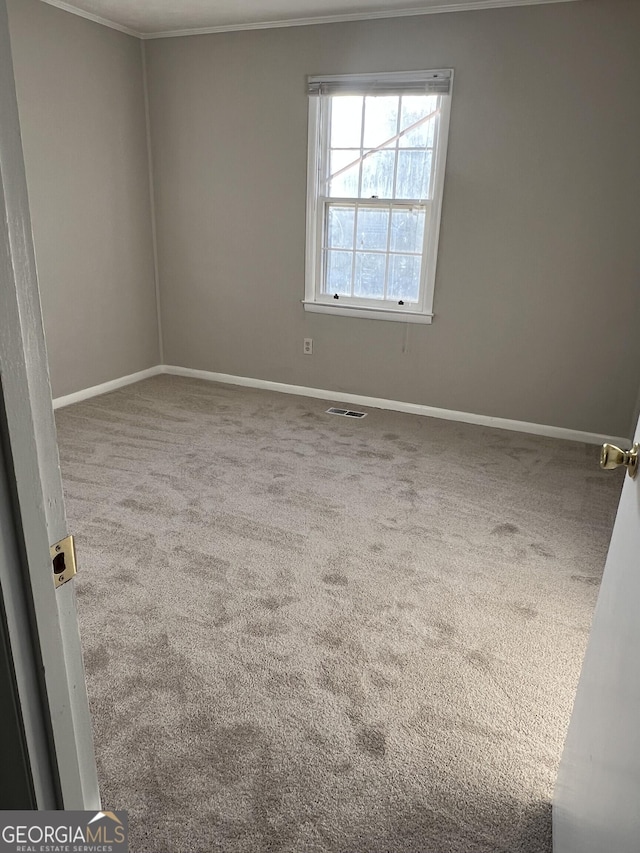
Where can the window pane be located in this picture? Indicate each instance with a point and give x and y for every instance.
(340, 227)
(369, 278)
(404, 277)
(414, 108)
(380, 120)
(414, 169)
(346, 121)
(372, 228)
(338, 275)
(407, 230)
(345, 184)
(377, 174)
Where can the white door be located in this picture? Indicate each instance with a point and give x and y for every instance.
(41, 621)
(597, 796)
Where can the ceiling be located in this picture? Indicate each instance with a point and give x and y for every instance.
(154, 18)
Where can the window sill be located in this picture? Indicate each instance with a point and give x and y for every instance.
(368, 313)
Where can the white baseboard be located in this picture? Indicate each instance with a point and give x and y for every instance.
(399, 406)
(340, 397)
(105, 387)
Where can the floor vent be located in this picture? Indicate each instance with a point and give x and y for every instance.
(346, 413)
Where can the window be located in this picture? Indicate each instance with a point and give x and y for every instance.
(377, 146)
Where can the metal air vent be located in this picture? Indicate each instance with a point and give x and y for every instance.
(346, 413)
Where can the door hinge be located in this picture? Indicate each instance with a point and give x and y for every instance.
(63, 557)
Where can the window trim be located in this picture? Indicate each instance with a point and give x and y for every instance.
(316, 147)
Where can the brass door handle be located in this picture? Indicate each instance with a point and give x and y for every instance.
(612, 457)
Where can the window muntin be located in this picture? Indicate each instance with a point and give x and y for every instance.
(379, 167)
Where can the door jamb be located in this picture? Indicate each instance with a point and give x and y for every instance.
(64, 773)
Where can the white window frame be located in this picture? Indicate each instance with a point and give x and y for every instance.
(318, 146)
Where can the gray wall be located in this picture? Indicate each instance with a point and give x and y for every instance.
(81, 101)
(537, 294)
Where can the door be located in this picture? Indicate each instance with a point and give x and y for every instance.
(40, 631)
(597, 797)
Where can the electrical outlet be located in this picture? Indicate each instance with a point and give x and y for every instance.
(307, 348)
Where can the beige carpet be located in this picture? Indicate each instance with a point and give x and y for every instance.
(306, 633)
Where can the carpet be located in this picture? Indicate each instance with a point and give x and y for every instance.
(310, 634)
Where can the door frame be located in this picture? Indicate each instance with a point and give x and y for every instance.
(16, 782)
(41, 622)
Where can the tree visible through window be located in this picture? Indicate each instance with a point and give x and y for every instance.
(375, 191)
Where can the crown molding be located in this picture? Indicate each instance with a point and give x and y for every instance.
(302, 22)
(355, 16)
(89, 16)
